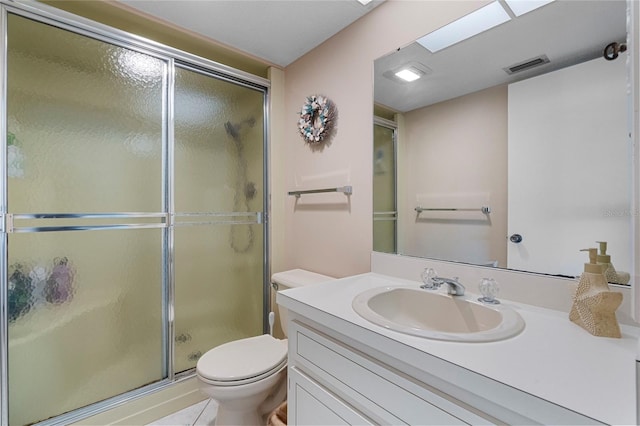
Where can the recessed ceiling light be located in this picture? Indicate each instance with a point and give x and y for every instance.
(364, 2)
(466, 27)
(520, 7)
(407, 74)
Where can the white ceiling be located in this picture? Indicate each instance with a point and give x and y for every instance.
(277, 31)
(568, 32)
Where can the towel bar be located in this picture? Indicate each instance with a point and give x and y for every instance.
(347, 190)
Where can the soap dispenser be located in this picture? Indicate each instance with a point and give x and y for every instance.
(612, 276)
(594, 304)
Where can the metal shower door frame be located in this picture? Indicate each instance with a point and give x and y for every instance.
(165, 219)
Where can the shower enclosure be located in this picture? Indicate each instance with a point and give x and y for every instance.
(133, 207)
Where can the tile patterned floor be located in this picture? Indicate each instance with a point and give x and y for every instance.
(200, 414)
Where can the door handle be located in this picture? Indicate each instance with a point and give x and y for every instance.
(515, 238)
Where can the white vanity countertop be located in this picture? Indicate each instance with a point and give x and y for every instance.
(553, 358)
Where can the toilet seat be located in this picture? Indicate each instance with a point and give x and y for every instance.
(243, 361)
(248, 380)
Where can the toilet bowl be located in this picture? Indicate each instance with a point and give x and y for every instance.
(247, 377)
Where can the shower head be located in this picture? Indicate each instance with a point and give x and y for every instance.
(233, 130)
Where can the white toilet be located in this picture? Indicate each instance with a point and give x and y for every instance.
(247, 377)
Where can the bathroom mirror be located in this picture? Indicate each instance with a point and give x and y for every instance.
(513, 146)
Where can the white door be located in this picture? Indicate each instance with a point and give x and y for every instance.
(569, 159)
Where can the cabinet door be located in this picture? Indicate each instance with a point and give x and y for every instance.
(311, 404)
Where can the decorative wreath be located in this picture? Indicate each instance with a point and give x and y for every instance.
(317, 119)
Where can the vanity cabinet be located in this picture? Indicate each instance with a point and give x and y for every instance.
(331, 383)
(336, 380)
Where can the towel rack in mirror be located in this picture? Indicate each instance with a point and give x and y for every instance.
(483, 209)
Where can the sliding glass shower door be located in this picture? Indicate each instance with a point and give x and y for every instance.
(132, 217)
(219, 267)
(84, 149)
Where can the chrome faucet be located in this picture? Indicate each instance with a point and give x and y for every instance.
(454, 287)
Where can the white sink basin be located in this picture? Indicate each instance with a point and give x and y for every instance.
(412, 310)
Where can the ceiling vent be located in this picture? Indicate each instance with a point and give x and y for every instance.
(526, 65)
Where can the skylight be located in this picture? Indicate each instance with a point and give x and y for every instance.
(466, 27)
(520, 7)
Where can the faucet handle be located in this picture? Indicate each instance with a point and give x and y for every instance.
(428, 276)
(489, 289)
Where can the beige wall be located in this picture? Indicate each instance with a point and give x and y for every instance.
(330, 233)
(454, 155)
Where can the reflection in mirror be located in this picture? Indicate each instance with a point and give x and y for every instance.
(384, 186)
(513, 145)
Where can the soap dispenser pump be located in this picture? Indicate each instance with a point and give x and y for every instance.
(593, 267)
(594, 304)
(610, 272)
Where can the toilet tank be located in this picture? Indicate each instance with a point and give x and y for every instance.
(291, 279)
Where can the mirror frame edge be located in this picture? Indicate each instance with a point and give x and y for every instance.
(633, 40)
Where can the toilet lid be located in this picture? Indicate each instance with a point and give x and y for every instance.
(242, 359)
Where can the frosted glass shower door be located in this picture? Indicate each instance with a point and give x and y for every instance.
(85, 274)
(219, 200)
